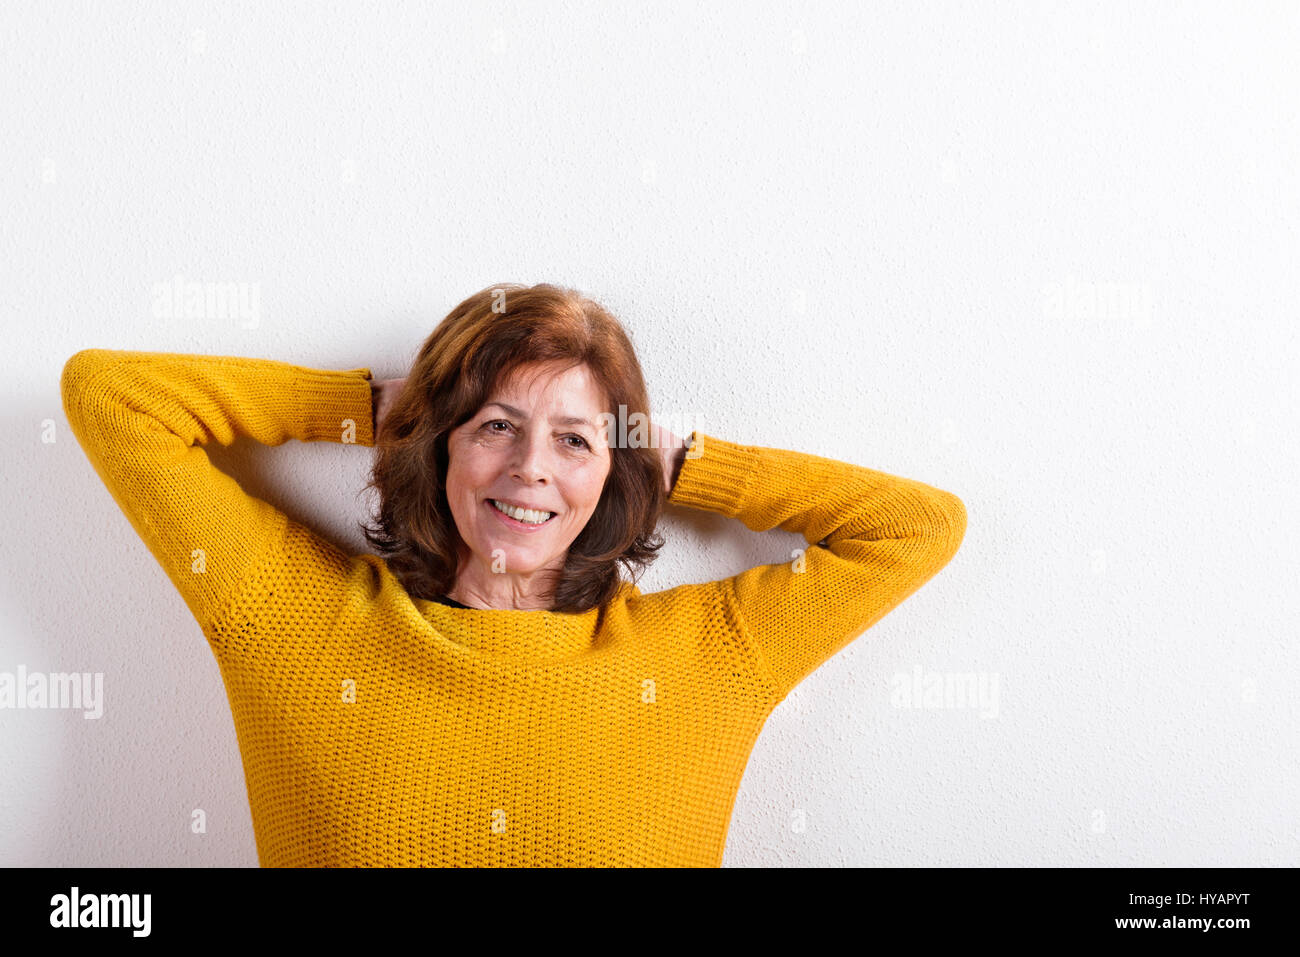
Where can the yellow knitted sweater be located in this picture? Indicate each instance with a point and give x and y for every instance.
(376, 729)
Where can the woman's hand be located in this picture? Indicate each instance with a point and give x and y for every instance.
(672, 452)
(383, 393)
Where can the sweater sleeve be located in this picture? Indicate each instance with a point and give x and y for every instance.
(873, 540)
(144, 418)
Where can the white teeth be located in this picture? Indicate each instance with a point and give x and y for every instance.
(529, 515)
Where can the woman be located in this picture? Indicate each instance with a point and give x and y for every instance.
(492, 691)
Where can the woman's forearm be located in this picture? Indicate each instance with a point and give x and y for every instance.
(143, 419)
(885, 536)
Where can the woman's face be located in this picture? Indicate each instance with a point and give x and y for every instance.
(536, 443)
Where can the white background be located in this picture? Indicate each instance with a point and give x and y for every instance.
(1039, 255)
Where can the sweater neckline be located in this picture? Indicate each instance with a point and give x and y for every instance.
(519, 636)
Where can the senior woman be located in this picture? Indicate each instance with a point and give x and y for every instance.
(491, 689)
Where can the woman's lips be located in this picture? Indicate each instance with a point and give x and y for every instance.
(515, 523)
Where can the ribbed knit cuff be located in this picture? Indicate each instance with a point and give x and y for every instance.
(327, 399)
(718, 478)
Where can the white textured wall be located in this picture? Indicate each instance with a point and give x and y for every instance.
(1043, 256)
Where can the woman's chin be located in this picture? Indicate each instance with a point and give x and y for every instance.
(507, 557)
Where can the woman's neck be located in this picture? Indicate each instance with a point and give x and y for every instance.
(505, 592)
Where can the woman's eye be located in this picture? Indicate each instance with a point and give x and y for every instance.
(488, 425)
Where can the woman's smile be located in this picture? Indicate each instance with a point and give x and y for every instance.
(515, 524)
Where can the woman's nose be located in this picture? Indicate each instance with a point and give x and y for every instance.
(529, 463)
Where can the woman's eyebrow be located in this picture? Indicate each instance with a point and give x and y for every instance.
(555, 420)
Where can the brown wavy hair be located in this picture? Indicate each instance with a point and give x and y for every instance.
(472, 350)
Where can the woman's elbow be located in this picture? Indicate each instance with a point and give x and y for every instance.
(951, 526)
